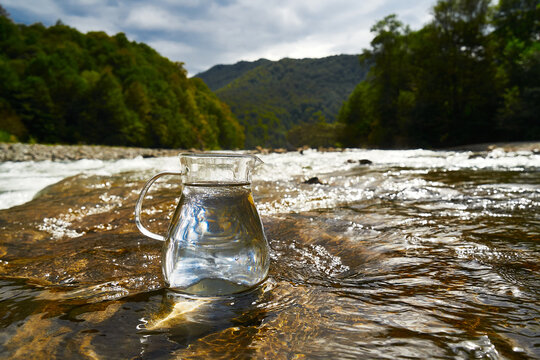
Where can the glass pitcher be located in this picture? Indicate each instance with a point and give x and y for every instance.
(215, 244)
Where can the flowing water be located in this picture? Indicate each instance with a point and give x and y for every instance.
(420, 254)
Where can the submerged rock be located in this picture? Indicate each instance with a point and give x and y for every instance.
(80, 232)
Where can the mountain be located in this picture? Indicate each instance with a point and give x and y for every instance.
(220, 75)
(269, 98)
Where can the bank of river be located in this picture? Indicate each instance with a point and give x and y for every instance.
(415, 254)
(40, 152)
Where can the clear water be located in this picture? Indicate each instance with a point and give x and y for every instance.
(423, 254)
(215, 244)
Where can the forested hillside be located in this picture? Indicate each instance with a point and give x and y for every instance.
(275, 97)
(469, 76)
(220, 75)
(58, 85)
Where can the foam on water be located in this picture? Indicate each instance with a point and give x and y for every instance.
(314, 163)
(392, 175)
(21, 181)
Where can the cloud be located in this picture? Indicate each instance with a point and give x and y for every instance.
(86, 24)
(43, 11)
(148, 17)
(202, 33)
(172, 49)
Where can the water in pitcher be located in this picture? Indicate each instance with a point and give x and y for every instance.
(215, 244)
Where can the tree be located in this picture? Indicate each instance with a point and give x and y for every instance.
(517, 36)
(4, 13)
(317, 133)
(35, 107)
(434, 87)
(456, 82)
(371, 113)
(58, 85)
(357, 115)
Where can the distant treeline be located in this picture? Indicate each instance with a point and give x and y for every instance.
(58, 85)
(471, 75)
(273, 98)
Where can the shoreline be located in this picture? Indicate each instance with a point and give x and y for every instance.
(533, 146)
(18, 152)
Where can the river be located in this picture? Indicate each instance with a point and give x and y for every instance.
(412, 254)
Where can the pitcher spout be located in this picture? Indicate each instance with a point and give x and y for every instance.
(256, 162)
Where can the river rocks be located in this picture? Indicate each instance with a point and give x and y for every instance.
(301, 150)
(264, 151)
(361, 161)
(313, 180)
(533, 146)
(476, 156)
(40, 152)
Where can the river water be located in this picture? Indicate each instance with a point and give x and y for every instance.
(420, 254)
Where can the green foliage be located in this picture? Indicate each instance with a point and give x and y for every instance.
(7, 137)
(269, 98)
(220, 75)
(517, 39)
(471, 75)
(357, 115)
(315, 134)
(58, 85)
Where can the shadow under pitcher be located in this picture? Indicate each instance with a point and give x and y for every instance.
(215, 243)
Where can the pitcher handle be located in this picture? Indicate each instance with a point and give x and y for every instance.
(138, 206)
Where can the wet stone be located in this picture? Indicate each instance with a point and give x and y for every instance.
(313, 180)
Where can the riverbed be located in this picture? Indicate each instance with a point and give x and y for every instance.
(389, 254)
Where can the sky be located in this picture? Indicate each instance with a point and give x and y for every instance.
(204, 33)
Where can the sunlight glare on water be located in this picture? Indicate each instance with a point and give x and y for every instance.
(420, 254)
